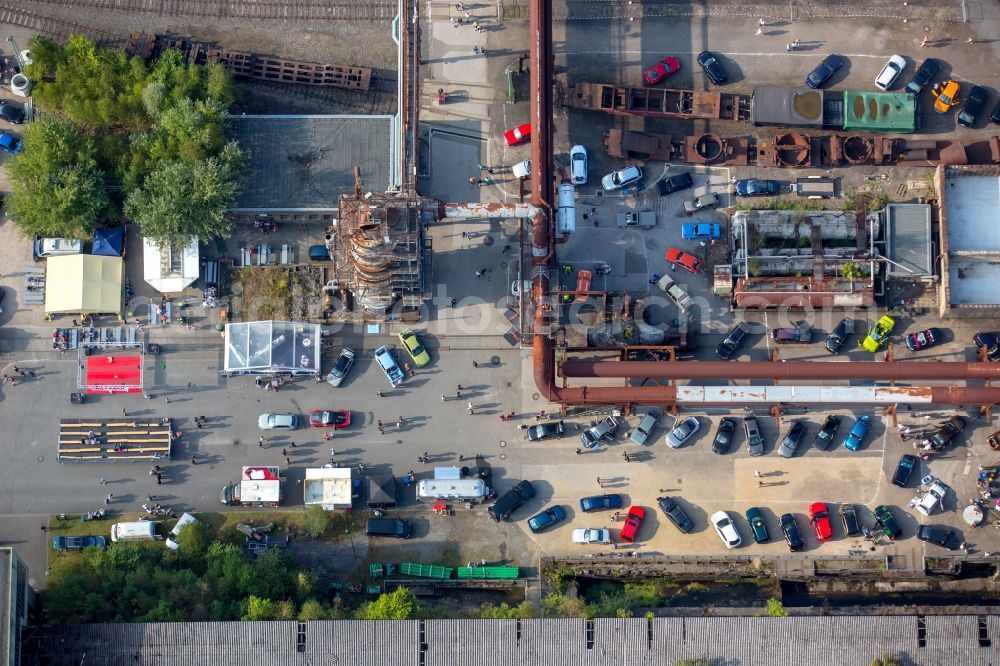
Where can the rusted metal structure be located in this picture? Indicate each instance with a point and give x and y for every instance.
(659, 102)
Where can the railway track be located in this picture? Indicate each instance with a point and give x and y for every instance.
(334, 100)
(335, 10)
(54, 27)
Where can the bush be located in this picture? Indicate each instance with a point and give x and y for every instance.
(317, 521)
(775, 608)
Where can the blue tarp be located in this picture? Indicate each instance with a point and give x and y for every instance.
(109, 242)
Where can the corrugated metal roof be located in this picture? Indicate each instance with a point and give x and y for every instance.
(751, 641)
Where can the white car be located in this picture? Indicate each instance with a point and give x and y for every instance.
(621, 178)
(271, 421)
(56, 247)
(586, 536)
(578, 165)
(171, 540)
(726, 530)
(890, 73)
(933, 499)
(517, 288)
(522, 169)
(683, 432)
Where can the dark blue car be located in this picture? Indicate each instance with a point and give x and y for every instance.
(756, 187)
(857, 434)
(824, 70)
(601, 502)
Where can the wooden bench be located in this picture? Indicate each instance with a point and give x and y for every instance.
(65, 450)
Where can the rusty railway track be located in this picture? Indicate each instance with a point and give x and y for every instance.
(55, 27)
(338, 100)
(335, 10)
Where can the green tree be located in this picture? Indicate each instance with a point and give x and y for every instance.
(259, 609)
(694, 662)
(56, 187)
(887, 659)
(775, 608)
(399, 604)
(851, 271)
(314, 610)
(273, 574)
(179, 201)
(193, 540)
(504, 611)
(317, 521)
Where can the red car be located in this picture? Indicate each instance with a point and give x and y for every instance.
(687, 261)
(661, 70)
(518, 135)
(319, 418)
(819, 516)
(632, 523)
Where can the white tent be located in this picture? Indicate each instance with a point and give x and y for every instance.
(272, 347)
(171, 269)
(330, 487)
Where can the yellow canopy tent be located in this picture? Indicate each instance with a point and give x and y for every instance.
(83, 283)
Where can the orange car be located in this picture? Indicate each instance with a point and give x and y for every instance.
(945, 95)
(583, 285)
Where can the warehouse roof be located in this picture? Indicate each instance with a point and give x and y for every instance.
(908, 241)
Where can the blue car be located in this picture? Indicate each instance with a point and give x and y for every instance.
(857, 434)
(700, 230)
(601, 502)
(10, 143)
(387, 362)
(756, 187)
(546, 519)
(816, 78)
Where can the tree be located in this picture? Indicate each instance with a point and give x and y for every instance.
(317, 521)
(313, 610)
(504, 611)
(56, 186)
(181, 201)
(775, 608)
(887, 659)
(192, 540)
(259, 609)
(397, 605)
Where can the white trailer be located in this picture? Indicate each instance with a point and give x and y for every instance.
(329, 487)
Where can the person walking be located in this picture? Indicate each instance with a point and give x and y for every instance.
(380, 394)
(760, 31)
(260, 442)
(159, 479)
(399, 422)
(291, 444)
(756, 473)
(925, 41)
(760, 23)
(284, 452)
(443, 397)
(124, 413)
(760, 484)
(107, 500)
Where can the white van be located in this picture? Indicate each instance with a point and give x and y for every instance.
(140, 530)
(186, 519)
(465, 490)
(522, 169)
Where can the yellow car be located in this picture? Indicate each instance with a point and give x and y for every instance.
(879, 335)
(414, 348)
(944, 95)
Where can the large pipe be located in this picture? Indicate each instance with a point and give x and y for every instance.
(782, 370)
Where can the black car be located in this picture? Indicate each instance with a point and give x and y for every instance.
(681, 181)
(826, 434)
(824, 70)
(511, 500)
(849, 517)
(938, 534)
(724, 435)
(836, 340)
(973, 106)
(675, 513)
(995, 116)
(713, 68)
(904, 470)
(545, 430)
(756, 187)
(927, 70)
(11, 113)
(736, 336)
(947, 432)
(791, 531)
(987, 340)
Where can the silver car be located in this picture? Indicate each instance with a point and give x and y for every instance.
(645, 428)
(683, 432)
(271, 421)
(340, 369)
(621, 178)
(726, 530)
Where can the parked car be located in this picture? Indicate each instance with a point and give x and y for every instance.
(701, 202)
(661, 70)
(546, 519)
(601, 502)
(790, 528)
(340, 369)
(319, 253)
(819, 516)
(792, 440)
(732, 341)
(857, 433)
(78, 542)
(838, 337)
(337, 419)
(940, 535)
(675, 513)
(272, 421)
(945, 95)
(933, 498)
(879, 334)
(713, 68)
(849, 519)
(928, 70)
(755, 443)
(591, 536)
(758, 528)
(726, 529)
(11, 113)
(683, 431)
(545, 430)
(632, 523)
(578, 165)
(974, 105)
(756, 187)
(922, 339)
(724, 435)
(674, 291)
(989, 342)
(824, 438)
(947, 432)
(801, 335)
(43, 248)
(387, 362)
(688, 262)
(605, 429)
(511, 501)
(700, 230)
(995, 115)
(890, 73)
(885, 520)
(522, 169)
(10, 143)
(904, 470)
(171, 541)
(621, 178)
(413, 347)
(823, 71)
(675, 183)
(642, 431)
(518, 135)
